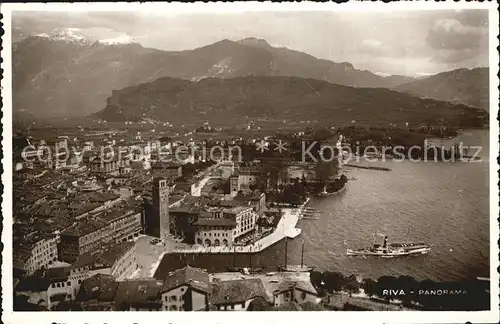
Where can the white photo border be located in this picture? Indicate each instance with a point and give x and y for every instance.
(10, 317)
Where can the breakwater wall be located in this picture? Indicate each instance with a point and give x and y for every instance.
(367, 167)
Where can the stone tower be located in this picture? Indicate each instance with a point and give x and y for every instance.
(160, 206)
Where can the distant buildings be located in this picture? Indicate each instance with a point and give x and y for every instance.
(168, 170)
(243, 180)
(108, 165)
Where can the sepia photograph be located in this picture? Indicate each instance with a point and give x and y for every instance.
(269, 157)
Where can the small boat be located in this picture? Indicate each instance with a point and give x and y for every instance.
(390, 250)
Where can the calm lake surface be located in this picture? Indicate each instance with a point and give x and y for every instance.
(444, 204)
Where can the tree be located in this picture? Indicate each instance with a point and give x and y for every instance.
(324, 171)
(316, 278)
(352, 286)
(333, 281)
(370, 287)
(259, 304)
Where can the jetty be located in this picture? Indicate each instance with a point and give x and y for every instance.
(367, 167)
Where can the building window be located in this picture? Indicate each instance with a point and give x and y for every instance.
(68, 284)
(232, 306)
(303, 295)
(173, 298)
(174, 307)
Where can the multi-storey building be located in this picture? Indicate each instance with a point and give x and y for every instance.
(36, 253)
(245, 219)
(124, 223)
(182, 220)
(256, 200)
(243, 180)
(81, 237)
(171, 171)
(117, 225)
(117, 260)
(215, 231)
(187, 289)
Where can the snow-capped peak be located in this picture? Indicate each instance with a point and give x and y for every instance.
(124, 39)
(67, 35)
(77, 36)
(383, 74)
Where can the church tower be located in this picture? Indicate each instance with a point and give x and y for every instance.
(160, 206)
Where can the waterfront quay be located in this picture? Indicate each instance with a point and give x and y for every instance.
(286, 228)
(151, 255)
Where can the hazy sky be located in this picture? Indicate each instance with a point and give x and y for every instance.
(410, 43)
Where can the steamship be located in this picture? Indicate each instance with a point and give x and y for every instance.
(389, 249)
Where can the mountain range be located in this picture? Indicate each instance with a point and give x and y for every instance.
(67, 75)
(279, 98)
(469, 87)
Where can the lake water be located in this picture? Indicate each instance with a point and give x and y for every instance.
(444, 204)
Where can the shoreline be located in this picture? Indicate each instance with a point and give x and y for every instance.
(286, 228)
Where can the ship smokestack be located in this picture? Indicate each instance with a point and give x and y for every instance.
(385, 242)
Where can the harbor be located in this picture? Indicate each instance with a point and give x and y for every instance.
(286, 228)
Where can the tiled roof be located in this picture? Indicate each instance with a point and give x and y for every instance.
(85, 227)
(138, 291)
(251, 197)
(236, 210)
(165, 165)
(57, 274)
(237, 291)
(100, 286)
(302, 285)
(190, 276)
(103, 256)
